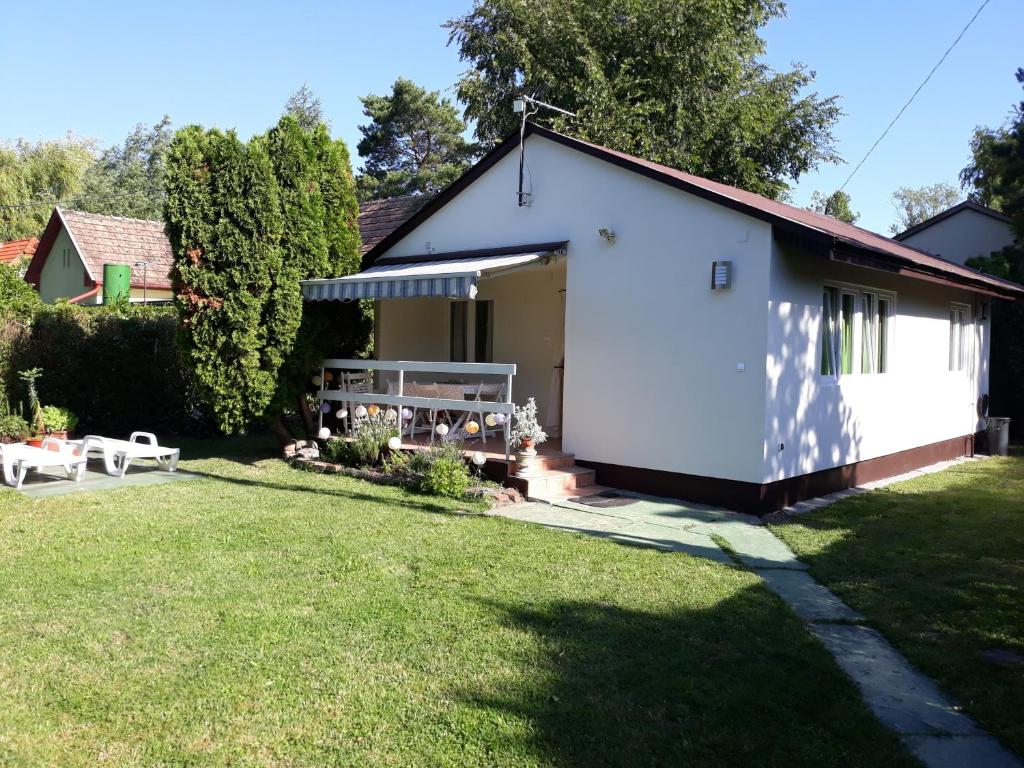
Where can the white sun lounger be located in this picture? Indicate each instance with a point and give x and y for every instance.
(117, 455)
(18, 459)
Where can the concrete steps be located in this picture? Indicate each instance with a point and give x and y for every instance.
(555, 476)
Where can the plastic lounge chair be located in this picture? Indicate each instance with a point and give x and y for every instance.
(118, 454)
(18, 459)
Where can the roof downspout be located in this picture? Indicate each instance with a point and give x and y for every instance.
(83, 296)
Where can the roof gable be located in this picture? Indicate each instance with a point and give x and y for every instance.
(101, 239)
(826, 232)
(966, 205)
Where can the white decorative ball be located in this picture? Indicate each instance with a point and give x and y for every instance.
(341, 414)
(395, 443)
(391, 414)
(406, 414)
(479, 458)
(360, 411)
(441, 429)
(324, 433)
(491, 420)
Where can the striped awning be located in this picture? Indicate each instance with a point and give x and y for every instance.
(448, 278)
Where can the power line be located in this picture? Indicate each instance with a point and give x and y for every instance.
(914, 94)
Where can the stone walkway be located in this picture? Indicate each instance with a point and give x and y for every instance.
(904, 700)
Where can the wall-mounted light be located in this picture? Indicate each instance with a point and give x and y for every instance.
(519, 105)
(721, 275)
(607, 234)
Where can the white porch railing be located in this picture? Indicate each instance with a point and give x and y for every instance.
(399, 400)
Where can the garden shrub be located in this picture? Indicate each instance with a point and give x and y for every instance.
(366, 446)
(440, 470)
(117, 368)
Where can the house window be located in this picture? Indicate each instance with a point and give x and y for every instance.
(959, 336)
(457, 331)
(855, 332)
(483, 338)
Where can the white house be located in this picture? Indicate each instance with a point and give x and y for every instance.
(718, 346)
(961, 232)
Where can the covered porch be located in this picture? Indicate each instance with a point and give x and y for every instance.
(488, 321)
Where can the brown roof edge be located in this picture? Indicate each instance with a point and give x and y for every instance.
(559, 246)
(966, 205)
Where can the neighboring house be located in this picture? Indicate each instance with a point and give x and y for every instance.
(961, 232)
(75, 246)
(826, 355)
(68, 263)
(13, 251)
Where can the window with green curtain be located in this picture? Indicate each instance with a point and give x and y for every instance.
(829, 339)
(847, 310)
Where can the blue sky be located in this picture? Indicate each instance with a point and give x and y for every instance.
(99, 68)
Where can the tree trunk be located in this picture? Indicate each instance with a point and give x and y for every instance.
(307, 416)
(279, 428)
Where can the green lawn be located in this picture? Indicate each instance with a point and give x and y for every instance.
(267, 616)
(937, 564)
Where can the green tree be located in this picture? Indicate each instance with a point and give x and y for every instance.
(247, 223)
(414, 143)
(34, 177)
(836, 205)
(677, 83)
(18, 299)
(224, 222)
(916, 204)
(996, 174)
(304, 106)
(127, 180)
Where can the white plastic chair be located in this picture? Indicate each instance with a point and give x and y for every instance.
(18, 459)
(118, 455)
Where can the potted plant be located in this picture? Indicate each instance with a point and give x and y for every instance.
(526, 435)
(36, 426)
(13, 428)
(57, 421)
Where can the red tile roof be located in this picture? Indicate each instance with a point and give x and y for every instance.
(12, 250)
(102, 239)
(379, 218)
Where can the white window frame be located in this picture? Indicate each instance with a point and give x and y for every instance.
(961, 337)
(859, 293)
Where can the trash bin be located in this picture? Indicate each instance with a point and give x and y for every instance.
(998, 435)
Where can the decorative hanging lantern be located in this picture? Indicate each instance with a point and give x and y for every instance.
(361, 411)
(328, 376)
(472, 427)
(499, 419)
(325, 407)
(406, 414)
(395, 443)
(324, 433)
(373, 410)
(391, 414)
(491, 420)
(317, 381)
(479, 458)
(342, 414)
(441, 429)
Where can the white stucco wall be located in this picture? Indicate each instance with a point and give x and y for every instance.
(651, 375)
(57, 281)
(824, 424)
(962, 236)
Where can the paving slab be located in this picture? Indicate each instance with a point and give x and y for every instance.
(671, 540)
(808, 599)
(755, 545)
(39, 486)
(902, 698)
(961, 752)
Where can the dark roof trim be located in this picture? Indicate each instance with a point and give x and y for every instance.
(966, 205)
(477, 253)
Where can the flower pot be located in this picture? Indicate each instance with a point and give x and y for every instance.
(60, 435)
(35, 442)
